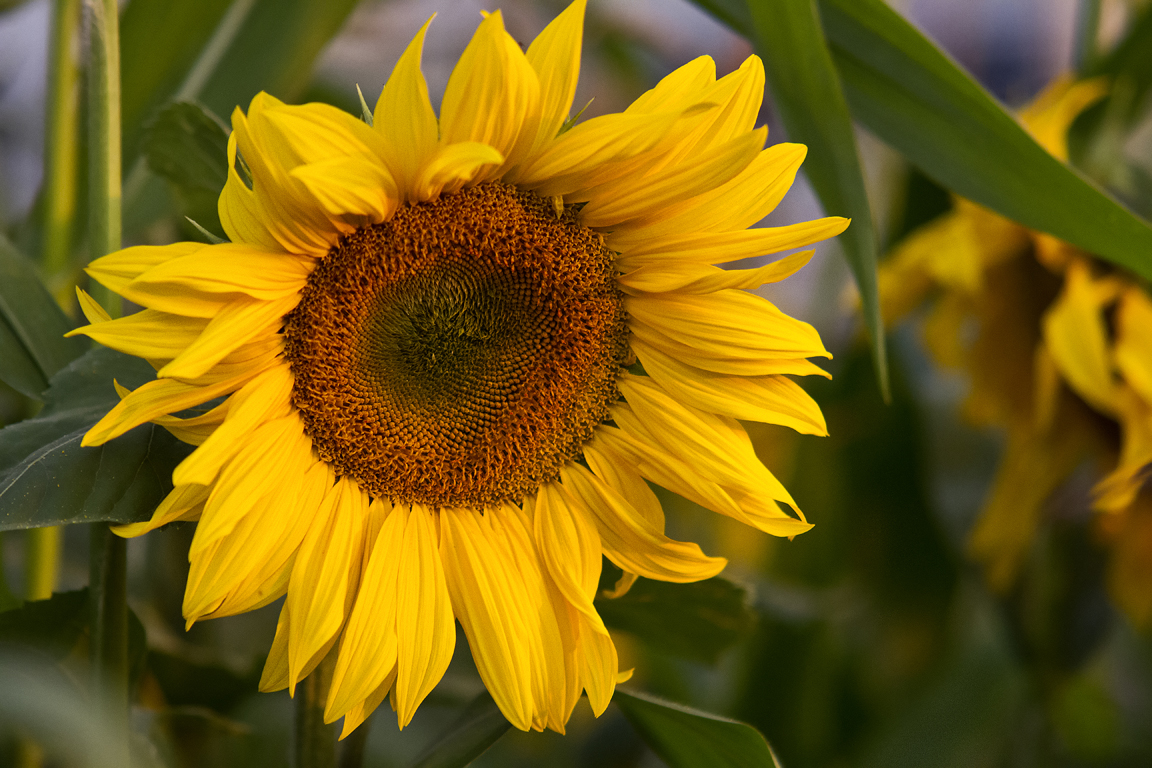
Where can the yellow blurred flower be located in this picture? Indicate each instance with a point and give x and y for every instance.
(424, 328)
(1058, 350)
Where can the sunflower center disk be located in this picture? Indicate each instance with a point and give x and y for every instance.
(460, 353)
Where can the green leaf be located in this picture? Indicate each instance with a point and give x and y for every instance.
(51, 626)
(47, 478)
(914, 97)
(480, 726)
(1131, 60)
(274, 52)
(32, 327)
(188, 146)
(55, 625)
(688, 738)
(697, 621)
(806, 90)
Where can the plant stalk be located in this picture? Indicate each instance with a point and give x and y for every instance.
(108, 642)
(60, 178)
(104, 153)
(41, 562)
(315, 741)
(1087, 29)
(108, 560)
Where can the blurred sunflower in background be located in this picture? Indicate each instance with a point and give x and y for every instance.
(452, 349)
(1057, 349)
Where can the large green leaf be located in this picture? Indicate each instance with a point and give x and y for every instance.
(479, 726)
(688, 738)
(806, 90)
(914, 97)
(696, 621)
(47, 478)
(32, 327)
(274, 51)
(189, 148)
(160, 40)
(917, 99)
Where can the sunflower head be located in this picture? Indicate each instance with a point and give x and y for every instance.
(454, 350)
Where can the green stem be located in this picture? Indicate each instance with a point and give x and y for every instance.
(1087, 29)
(104, 163)
(41, 561)
(62, 140)
(108, 643)
(315, 741)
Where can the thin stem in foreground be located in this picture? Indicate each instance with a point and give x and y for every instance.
(62, 147)
(104, 158)
(315, 745)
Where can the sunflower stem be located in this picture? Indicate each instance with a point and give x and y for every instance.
(104, 138)
(62, 142)
(41, 562)
(1087, 29)
(108, 559)
(315, 740)
(108, 642)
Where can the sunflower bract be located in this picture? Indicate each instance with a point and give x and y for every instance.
(423, 330)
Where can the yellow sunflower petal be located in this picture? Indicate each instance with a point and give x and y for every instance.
(553, 633)
(117, 270)
(1133, 347)
(716, 450)
(184, 502)
(253, 475)
(599, 665)
(359, 713)
(492, 91)
(728, 323)
(164, 396)
(368, 650)
(570, 547)
(770, 399)
(405, 118)
(451, 167)
(701, 278)
(721, 247)
(148, 333)
(425, 627)
(224, 565)
(644, 198)
(224, 268)
(324, 579)
(1076, 336)
(555, 57)
(236, 325)
(630, 541)
(489, 605)
(739, 203)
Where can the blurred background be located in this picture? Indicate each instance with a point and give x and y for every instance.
(873, 640)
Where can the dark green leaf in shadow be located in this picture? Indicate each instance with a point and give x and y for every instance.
(806, 90)
(1131, 60)
(47, 478)
(913, 96)
(479, 726)
(688, 738)
(697, 621)
(32, 327)
(188, 146)
(51, 626)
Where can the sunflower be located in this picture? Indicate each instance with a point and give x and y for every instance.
(1057, 346)
(452, 351)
